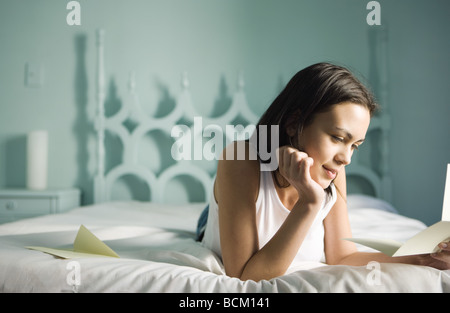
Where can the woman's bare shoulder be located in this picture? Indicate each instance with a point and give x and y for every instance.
(237, 173)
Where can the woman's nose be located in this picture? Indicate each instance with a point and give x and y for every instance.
(344, 157)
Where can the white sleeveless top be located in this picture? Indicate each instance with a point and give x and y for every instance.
(270, 215)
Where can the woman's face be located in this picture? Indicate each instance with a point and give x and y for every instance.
(331, 139)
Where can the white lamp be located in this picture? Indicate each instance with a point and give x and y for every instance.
(37, 159)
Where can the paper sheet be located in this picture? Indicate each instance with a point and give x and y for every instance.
(424, 242)
(86, 244)
(386, 246)
(427, 240)
(446, 205)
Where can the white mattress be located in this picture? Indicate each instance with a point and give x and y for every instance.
(158, 253)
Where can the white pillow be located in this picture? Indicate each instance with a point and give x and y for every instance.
(358, 201)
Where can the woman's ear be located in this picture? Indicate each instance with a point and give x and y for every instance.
(292, 124)
(291, 130)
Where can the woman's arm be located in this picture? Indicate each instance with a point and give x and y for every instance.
(338, 251)
(337, 225)
(236, 190)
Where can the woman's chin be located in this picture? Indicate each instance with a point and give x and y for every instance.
(324, 183)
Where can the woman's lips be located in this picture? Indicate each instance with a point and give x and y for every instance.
(331, 174)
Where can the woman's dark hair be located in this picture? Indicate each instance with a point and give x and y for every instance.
(313, 90)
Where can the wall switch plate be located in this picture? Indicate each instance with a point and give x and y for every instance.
(34, 75)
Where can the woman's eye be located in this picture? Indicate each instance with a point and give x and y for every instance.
(337, 138)
(341, 139)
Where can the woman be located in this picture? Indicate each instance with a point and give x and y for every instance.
(261, 222)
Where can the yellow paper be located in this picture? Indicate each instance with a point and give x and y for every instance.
(86, 244)
(424, 242)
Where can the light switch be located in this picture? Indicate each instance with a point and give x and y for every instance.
(34, 75)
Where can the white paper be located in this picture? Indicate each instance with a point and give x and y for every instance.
(446, 204)
(424, 242)
(37, 156)
(387, 246)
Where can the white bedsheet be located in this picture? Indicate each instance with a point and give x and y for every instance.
(159, 254)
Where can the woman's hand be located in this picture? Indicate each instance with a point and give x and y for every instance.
(439, 260)
(442, 257)
(295, 167)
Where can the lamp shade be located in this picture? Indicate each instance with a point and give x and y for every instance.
(37, 159)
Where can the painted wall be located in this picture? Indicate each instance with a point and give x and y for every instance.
(213, 40)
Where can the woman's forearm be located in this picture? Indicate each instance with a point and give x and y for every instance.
(275, 257)
(363, 258)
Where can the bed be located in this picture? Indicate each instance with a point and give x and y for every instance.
(158, 253)
(155, 239)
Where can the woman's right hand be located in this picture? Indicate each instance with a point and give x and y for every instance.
(295, 166)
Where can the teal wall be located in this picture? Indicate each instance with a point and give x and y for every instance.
(269, 40)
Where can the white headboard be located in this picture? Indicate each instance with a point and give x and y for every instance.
(185, 111)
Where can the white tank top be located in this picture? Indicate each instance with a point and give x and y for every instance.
(270, 215)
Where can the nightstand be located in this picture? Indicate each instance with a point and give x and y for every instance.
(16, 204)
